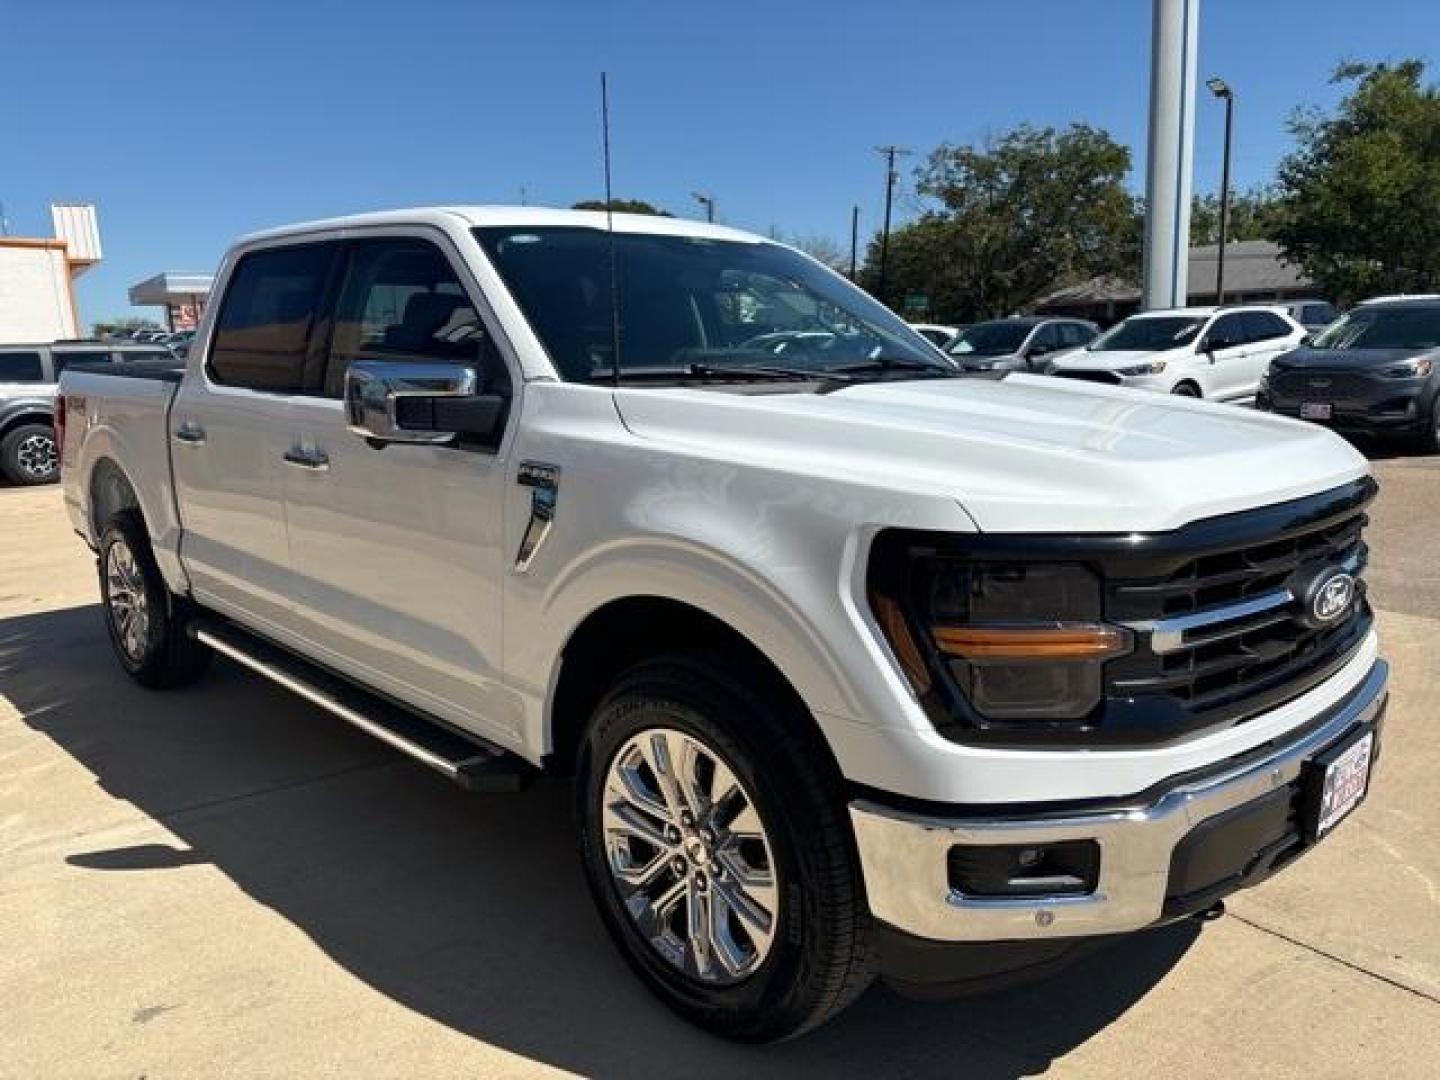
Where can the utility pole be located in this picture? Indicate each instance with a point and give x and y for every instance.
(1221, 89)
(854, 237)
(707, 201)
(890, 153)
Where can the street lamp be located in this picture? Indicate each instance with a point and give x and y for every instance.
(1221, 89)
(707, 201)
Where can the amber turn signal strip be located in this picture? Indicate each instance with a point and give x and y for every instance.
(1079, 641)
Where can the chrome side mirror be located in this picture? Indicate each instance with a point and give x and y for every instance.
(429, 402)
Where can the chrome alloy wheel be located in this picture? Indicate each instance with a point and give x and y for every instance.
(129, 610)
(37, 457)
(689, 856)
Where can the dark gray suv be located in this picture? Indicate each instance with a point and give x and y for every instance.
(28, 374)
(1376, 370)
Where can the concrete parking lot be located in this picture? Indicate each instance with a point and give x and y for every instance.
(225, 881)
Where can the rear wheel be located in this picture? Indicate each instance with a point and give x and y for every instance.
(28, 455)
(718, 850)
(1186, 389)
(143, 617)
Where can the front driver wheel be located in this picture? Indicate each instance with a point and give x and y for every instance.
(718, 850)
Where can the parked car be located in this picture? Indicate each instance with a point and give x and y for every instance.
(874, 668)
(1216, 353)
(28, 374)
(938, 335)
(1376, 370)
(1018, 344)
(1313, 315)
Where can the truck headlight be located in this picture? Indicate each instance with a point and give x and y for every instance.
(1408, 369)
(1153, 367)
(995, 640)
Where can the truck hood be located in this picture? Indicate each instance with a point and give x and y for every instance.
(1026, 454)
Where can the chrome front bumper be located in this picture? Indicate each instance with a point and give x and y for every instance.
(905, 856)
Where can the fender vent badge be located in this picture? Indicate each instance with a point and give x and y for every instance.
(545, 481)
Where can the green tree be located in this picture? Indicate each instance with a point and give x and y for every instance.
(623, 206)
(1004, 224)
(1360, 195)
(1254, 215)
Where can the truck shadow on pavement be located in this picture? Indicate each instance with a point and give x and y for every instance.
(471, 910)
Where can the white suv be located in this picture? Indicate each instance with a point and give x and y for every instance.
(1208, 352)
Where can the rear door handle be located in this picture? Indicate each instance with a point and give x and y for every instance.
(311, 458)
(190, 433)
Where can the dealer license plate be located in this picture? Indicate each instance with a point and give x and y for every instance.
(1316, 410)
(1343, 778)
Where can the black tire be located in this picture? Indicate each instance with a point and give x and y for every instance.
(1186, 389)
(156, 652)
(28, 455)
(820, 957)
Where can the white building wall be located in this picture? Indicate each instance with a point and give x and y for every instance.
(35, 297)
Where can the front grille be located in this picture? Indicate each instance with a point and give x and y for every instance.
(1237, 639)
(1107, 377)
(1321, 386)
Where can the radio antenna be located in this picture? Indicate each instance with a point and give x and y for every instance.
(610, 233)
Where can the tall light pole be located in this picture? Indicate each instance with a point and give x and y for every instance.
(1221, 89)
(890, 153)
(1175, 35)
(707, 201)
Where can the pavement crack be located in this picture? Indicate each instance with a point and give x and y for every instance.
(1377, 976)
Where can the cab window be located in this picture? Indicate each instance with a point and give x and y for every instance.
(401, 301)
(267, 315)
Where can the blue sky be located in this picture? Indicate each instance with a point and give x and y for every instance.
(190, 123)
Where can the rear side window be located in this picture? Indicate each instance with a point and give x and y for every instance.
(402, 302)
(1072, 333)
(70, 357)
(266, 317)
(16, 367)
(1264, 325)
(1318, 314)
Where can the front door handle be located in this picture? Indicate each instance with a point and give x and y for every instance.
(311, 458)
(190, 433)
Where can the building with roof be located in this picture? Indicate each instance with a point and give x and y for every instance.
(1255, 272)
(183, 296)
(37, 276)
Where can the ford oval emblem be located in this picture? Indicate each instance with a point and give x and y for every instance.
(1332, 597)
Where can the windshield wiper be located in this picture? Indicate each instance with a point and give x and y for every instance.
(898, 363)
(768, 371)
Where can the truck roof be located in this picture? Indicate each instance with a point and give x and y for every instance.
(511, 216)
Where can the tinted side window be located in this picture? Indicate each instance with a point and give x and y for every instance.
(68, 357)
(1319, 314)
(400, 302)
(21, 367)
(1264, 326)
(1046, 339)
(266, 317)
(1075, 334)
(1229, 328)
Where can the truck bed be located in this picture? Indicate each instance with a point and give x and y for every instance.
(118, 425)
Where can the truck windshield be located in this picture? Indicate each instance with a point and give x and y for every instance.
(1384, 328)
(693, 304)
(1154, 333)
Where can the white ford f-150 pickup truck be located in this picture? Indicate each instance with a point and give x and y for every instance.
(859, 667)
